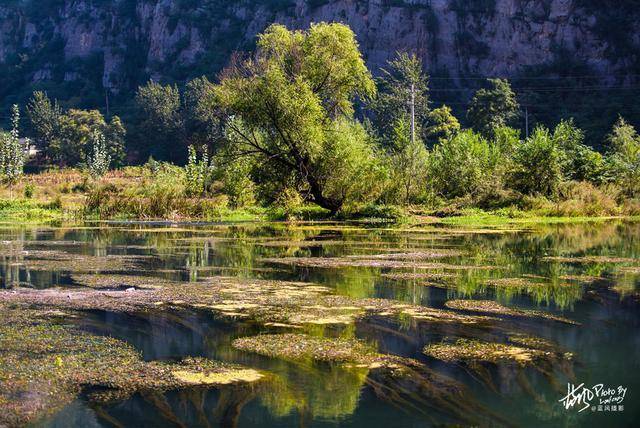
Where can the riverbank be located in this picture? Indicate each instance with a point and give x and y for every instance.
(135, 193)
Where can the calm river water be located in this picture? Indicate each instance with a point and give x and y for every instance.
(588, 273)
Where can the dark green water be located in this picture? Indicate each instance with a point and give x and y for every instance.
(606, 345)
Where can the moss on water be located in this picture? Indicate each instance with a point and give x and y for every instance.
(474, 350)
(591, 259)
(45, 362)
(377, 261)
(107, 282)
(56, 260)
(400, 381)
(219, 377)
(491, 307)
(305, 347)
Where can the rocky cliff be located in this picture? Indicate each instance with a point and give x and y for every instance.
(88, 45)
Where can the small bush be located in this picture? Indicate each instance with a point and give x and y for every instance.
(28, 190)
(375, 212)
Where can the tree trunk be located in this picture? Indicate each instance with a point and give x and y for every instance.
(327, 203)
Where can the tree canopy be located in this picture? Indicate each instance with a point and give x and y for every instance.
(493, 107)
(286, 105)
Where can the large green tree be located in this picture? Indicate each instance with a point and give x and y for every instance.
(67, 137)
(75, 141)
(462, 164)
(170, 120)
(579, 161)
(401, 83)
(45, 116)
(537, 164)
(290, 108)
(493, 107)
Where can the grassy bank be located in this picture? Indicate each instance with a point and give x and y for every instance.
(141, 194)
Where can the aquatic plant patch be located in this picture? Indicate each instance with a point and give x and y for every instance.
(401, 381)
(305, 347)
(591, 259)
(492, 307)
(366, 261)
(114, 282)
(478, 351)
(54, 260)
(45, 362)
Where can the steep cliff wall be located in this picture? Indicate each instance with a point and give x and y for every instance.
(119, 41)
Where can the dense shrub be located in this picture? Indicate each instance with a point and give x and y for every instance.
(579, 162)
(408, 166)
(462, 164)
(624, 158)
(537, 165)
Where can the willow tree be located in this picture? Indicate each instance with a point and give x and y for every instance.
(289, 107)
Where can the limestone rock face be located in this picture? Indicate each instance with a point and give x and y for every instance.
(459, 37)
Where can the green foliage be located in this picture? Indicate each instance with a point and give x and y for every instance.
(67, 138)
(290, 101)
(98, 160)
(13, 152)
(624, 158)
(349, 170)
(376, 212)
(537, 164)
(493, 107)
(395, 94)
(44, 115)
(75, 139)
(462, 164)
(235, 175)
(506, 139)
(160, 118)
(579, 162)
(442, 124)
(29, 189)
(408, 166)
(198, 172)
(170, 120)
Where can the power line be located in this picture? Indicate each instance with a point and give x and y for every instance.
(593, 76)
(548, 88)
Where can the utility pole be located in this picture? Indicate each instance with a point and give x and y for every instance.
(106, 97)
(413, 113)
(526, 121)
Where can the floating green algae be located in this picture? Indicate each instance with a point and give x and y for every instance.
(263, 301)
(107, 281)
(54, 260)
(45, 362)
(368, 261)
(305, 347)
(492, 307)
(474, 350)
(591, 259)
